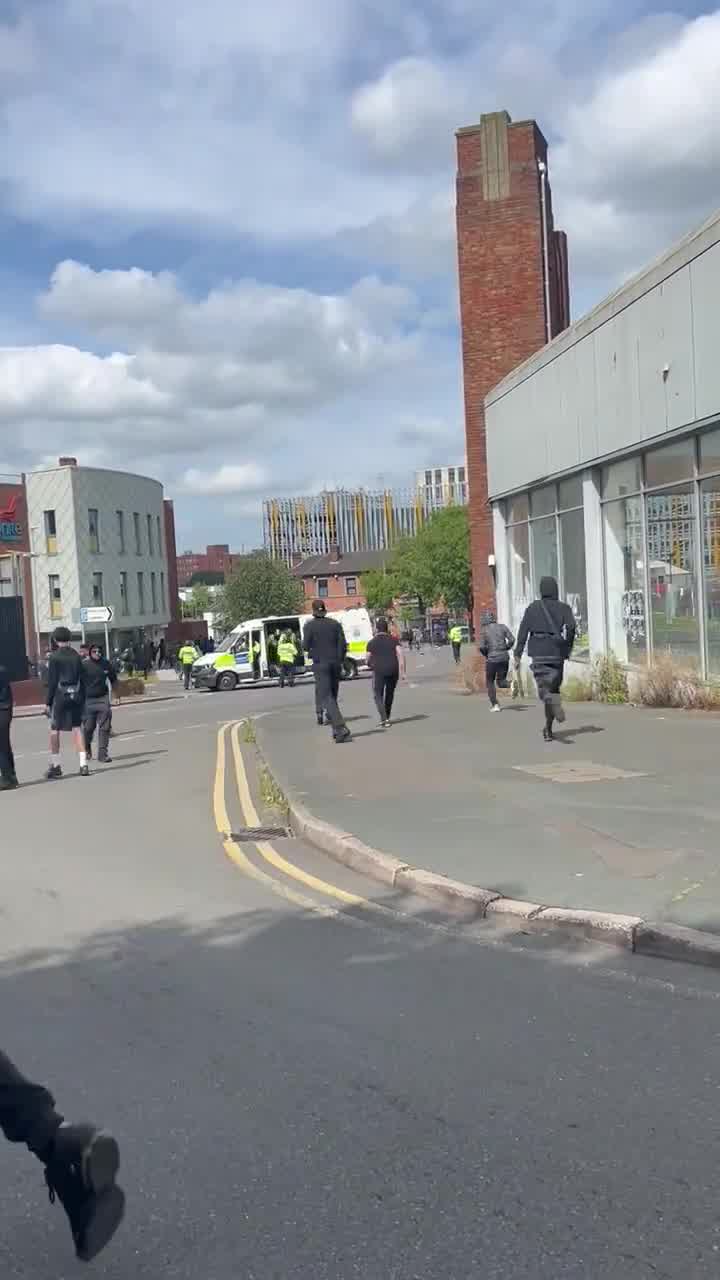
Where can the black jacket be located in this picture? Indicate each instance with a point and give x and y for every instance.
(65, 668)
(548, 627)
(324, 641)
(97, 675)
(495, 640)
(6, 695)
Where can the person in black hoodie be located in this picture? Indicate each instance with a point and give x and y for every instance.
(100, 676)
(8, 779)
(548, 629)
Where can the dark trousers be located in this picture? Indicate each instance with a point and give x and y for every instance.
(456, 652)
(384, 693)
(496, 669)
(7, 759)
(27, 1110)
(287, 674)
(548, 678)
(186, 674)
(327, 685)
(97, 715)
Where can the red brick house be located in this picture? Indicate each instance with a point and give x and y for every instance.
(336, 578)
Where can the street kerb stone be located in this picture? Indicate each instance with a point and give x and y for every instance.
(513, 907)
(604, 926)
(449, 893)
(566, 771)
(676, 942)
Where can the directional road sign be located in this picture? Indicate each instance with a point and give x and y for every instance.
(96, 613)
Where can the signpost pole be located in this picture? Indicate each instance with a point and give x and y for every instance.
(82, 632)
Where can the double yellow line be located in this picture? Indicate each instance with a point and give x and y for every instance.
(231, 732)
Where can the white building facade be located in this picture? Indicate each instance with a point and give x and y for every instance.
(604, 467)
(98, 538)
(443, 486)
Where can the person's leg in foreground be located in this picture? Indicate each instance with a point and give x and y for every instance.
(104, 725)
(548, 678)
(81, 1161)
(8, 779)
(379, 695)
(319, 706)
(186, 675)
(456, 652)
(62, 720)
(391, 683)
(496, 671)
(90, 721)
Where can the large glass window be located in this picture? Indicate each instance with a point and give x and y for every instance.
(544, 549)
(621, 478)
(542, 501)
(625, 579)
(519, 557)
(710, 451)
(710, 490)
(672, 566)
(673, 462)
(574, 581)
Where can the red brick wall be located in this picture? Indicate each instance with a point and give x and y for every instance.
(502, 298)
(12, 497)
(337, 597)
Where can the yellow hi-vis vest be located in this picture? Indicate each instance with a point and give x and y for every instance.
(287, 652)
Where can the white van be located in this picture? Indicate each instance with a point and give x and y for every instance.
(232, 662)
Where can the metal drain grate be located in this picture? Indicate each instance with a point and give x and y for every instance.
(260, 833)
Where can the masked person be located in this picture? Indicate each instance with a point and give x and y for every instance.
(81, 1162)
(548, 629)
(100, 678)
(324, 642)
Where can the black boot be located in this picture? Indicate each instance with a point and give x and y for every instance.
(80, 1171)
(9, 782)
(548, 734)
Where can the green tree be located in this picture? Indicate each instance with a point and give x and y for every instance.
(258, 587)
(435, 565)
(378, 588)
(198, 602)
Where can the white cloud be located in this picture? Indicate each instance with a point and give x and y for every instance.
(246, 477)
(409, 111)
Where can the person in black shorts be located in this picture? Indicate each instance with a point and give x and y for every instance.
(65, 701)
(80, 1161)
(386, 660)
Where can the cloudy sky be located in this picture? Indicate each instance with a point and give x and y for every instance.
(226, 229)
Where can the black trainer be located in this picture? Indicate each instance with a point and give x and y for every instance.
(88, 753)
(548, 734)
(321, 720)
(80, 1172)
(84, 771)
(104, 760)
(341, 737)
(53, 772)
(9, 783)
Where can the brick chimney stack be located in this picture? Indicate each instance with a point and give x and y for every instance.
(513, 281)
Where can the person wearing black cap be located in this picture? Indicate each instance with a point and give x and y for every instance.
(80, 1161)
(325, 644)
(548, 629)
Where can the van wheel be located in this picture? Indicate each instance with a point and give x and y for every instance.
(227, 681)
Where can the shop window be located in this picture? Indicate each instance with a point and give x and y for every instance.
(570, 493)
(518, 508)
(542, 501)
(544, 549)
(710, 451)
(710, 490)
(573, 576)
(625, 578)
(674, 462)
(672, 561)
(519, 564)
(622, 478)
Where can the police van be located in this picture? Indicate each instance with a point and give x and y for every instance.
(249, 652)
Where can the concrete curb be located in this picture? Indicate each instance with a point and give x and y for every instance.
(31, 713)
(631, 933)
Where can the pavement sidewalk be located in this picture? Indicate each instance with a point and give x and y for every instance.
(621, 814)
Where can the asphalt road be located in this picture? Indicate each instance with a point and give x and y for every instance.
(307, 1086)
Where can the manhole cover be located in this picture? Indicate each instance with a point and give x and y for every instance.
(260, 833)
(578, 771)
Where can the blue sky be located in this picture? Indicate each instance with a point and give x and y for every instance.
(227, 229)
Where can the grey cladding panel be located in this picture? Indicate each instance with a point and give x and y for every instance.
(705, 293)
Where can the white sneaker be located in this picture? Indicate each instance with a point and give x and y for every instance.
(495, 708)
